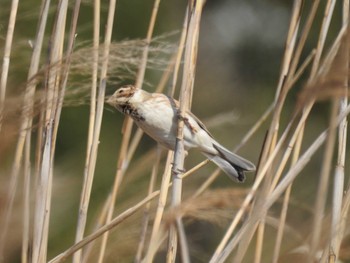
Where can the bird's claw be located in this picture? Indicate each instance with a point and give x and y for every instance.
(177, 171)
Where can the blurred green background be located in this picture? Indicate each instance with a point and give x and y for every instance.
(241, 46)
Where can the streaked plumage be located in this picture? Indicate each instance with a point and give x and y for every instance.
(156, 115)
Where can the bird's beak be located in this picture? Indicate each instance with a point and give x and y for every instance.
(110, 100)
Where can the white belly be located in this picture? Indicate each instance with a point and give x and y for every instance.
(160, 123)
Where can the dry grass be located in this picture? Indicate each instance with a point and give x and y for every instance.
(261, 223)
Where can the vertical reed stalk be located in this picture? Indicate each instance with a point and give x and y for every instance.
(6, 57)
(337, 230)
(146, 212)
(88, 173)
(156, 229)
(191, 49)
(43, 197)
(128, 127)
(26, 123)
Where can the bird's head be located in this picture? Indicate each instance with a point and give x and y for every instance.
(122, 96)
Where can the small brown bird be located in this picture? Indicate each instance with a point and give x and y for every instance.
(156, 114)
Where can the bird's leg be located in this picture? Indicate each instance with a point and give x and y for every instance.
(176, 172)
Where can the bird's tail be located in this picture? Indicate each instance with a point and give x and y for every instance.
(232, 164)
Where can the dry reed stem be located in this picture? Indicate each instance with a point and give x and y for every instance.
(138, 134)
(88, 176)
(190, 56)
(107, 227)
(208, 206)
(303, 37)
(337, 231)
(185, 255)
(128, 128)
(156, 226)
(284, 160)
(321, 196)
(271, 138)
(6, 57)
(142, 68)
(245, 139)
(155, 234)
(179, 54)
(260, 176)
(322, 38)
(43, 197)
(97, 127)
(26, 202)
(290, 44)
(146, 212)
(322, 190)
(99, 223)
(26, 120)
(287, 180)
(282, 221)
(237, 258)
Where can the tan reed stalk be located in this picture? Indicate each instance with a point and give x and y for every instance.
(88, 174)
(290, 47)
(303, 37)
(285, 157)
(191, 49)
(290, 44)
(6, 57)
(26, 202)
(287, 180)
(280, 97)
(286, 198)
(328, 13)
(65, 69)
(26, 123)
(323, 185)
(43, 197)
(146, 212)
(322, 190)
(155, 234)
(274, 124)
(281, 225)
(138, 134)
(245, 139)
(179, 53)
(274, 127)
(99, 114)
(116, 221)
(185, 255)
(137, 138)
(100, 222)
(260, 176)
(244, 245)
(142, 68)
(128, 128)
(57, 81)
(337, 231)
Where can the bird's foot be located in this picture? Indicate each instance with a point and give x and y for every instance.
(178, 172)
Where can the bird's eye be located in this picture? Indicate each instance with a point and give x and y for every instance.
(120, 91)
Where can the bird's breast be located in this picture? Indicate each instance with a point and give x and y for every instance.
(159, 122)
(132, 111)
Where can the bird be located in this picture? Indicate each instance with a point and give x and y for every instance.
(157, 115)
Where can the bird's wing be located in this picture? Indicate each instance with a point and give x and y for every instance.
(199, 123)
(176, 104)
